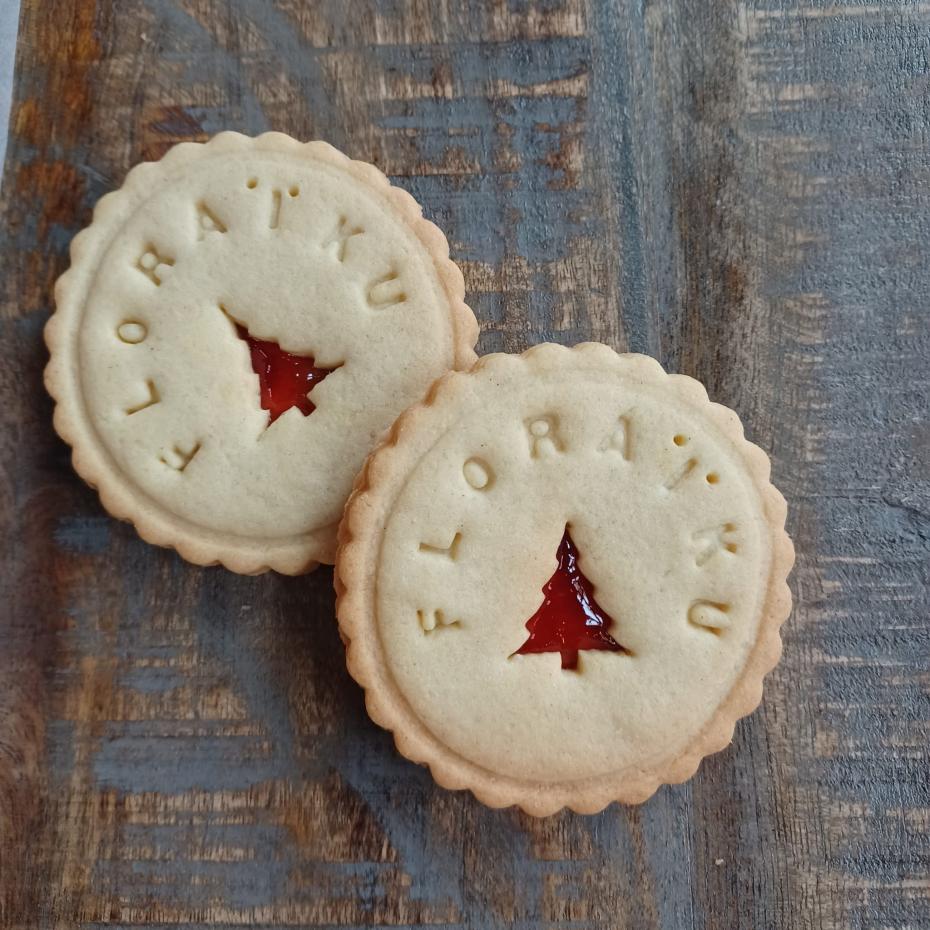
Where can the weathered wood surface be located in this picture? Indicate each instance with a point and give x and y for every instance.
(740, 189)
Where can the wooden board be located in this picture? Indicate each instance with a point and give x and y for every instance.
(740, 189)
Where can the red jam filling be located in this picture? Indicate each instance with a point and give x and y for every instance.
(570, 619)
(285, 380)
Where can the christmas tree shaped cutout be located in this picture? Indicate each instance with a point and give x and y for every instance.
(570, 619)
(285, 379)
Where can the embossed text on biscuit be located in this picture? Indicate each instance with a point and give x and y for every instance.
(178, 458)
(153, 398)
(208, 221)
(478, 473)
(431, 620)
(385, 291)
(155, 266)
(132, 332)
(712, 540)
(340, 236)
(543, 434)
(450, 552)
(711, 616)
(680, 474)
(619, 439)
(277, 200)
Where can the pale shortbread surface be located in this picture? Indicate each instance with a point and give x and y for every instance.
(156, 391)
(677, 529)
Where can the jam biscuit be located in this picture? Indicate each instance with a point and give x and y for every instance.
(240, 323)
(561, 578)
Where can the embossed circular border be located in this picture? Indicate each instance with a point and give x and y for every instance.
(118, 492)
(360, 538)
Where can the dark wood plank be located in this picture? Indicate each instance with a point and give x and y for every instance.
(740, 189)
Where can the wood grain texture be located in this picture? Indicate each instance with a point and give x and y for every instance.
(740, 189)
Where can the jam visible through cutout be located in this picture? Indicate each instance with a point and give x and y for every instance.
(285, 380)
(570, 619)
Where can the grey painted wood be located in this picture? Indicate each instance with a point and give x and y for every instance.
(740, 189)
(9, 21)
